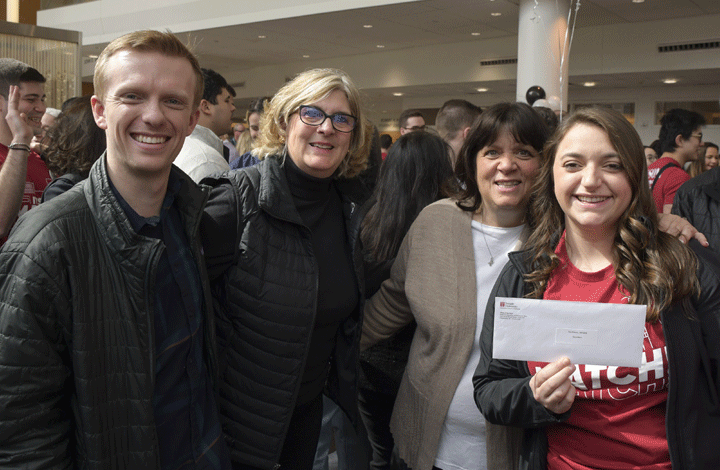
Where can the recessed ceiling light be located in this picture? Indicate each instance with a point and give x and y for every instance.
(638, 1)
(261, 37)
(589, 84)
(397, 94)
(670, 81)
(367, 26)
(495, 14)
(93, 56)
(380, 46)
(475, 34)
(306, 56)
(482, 90)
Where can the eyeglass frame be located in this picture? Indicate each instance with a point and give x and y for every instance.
(416, 128)
(325, 116)
(699, 136)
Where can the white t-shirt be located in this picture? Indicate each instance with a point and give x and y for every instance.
(462, 444)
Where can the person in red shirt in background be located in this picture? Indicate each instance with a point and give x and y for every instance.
(23, 174)
(680, 137)
(595, 238)
(385, 143)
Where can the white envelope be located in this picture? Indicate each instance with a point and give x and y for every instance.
(586, 332)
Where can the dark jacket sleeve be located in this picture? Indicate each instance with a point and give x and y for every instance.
(60, 185)
(35, 416)
(682, 203)
(219, 227)
(502, 387)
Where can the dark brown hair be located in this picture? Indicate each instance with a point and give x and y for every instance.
(652, 266)
(520, 120)
(75, 140)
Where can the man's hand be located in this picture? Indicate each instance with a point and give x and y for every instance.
(552, 388)
(17, 121)
(679, 227)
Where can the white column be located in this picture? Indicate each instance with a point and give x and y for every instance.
(541, 34)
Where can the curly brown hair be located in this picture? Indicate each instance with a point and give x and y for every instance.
(655, 268)
(75, 140)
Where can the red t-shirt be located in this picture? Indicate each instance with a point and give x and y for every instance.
(670, 181)
(618, 418)
(36, 180)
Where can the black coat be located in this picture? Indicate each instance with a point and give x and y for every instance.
(692, 418)
(77, 340)
(698, 200)
(260, 256)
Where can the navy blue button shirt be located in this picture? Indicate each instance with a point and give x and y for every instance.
(186, 417)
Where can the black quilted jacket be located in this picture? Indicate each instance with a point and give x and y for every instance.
(692, 335)
(77, 352)
(261, 256)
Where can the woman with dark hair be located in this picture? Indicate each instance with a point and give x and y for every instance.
(595, 238)
(75, 143)
(413, 175)
(441, 279)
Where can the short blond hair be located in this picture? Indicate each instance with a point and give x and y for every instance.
(310, 87)
(165, 43)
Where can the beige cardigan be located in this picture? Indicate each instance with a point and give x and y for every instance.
(433, 282)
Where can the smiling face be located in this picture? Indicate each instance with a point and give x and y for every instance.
(591, 185)
(254, 125)
(32, 104)
(506, 170)
(319, 150)
(147, 111)
(711, 158)
(688, 148)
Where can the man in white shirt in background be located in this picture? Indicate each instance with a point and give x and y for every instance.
(202, 154)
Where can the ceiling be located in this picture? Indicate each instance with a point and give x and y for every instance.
(416, 24)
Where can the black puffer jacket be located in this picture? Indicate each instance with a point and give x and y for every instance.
(692, 417)
(261, 254)
(77, 352)
(698, 200)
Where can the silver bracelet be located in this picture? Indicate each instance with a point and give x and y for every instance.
(19, 146)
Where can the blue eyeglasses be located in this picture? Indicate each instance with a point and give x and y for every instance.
(313, 116)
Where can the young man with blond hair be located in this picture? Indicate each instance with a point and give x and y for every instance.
(108, 354)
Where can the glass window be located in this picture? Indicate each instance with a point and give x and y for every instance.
(48, 4)
(710, 110)
(626, 109)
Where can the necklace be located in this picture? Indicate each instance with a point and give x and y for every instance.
(492, 258)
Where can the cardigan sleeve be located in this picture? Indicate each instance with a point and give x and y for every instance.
(388, 310)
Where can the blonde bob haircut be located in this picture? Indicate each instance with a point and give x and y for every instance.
(307, 88)
(148, 41)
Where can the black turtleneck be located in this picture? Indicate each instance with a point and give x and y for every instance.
(320, 207)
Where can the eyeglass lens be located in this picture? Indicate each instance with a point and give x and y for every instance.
(313, 116)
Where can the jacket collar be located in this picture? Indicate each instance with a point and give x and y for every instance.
(275, 198)
(274, 195)
(117, 231)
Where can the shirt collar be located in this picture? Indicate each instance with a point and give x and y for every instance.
(136, 220)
